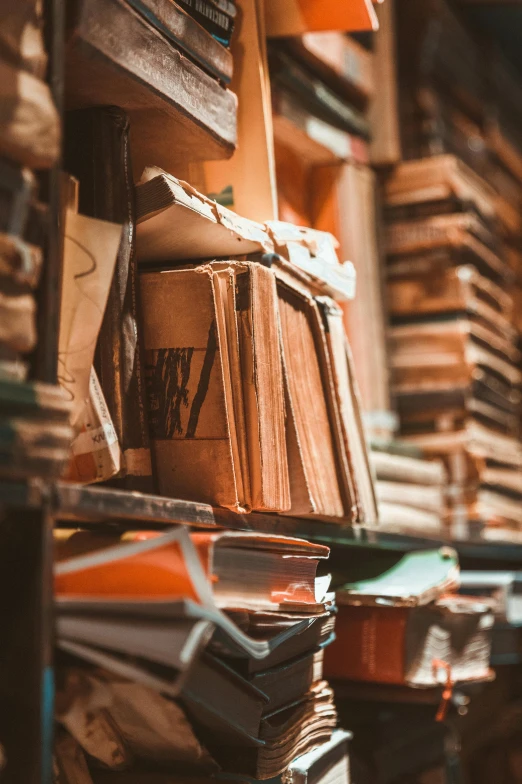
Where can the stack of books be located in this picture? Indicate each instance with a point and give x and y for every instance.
(409, 627)
(235, 421)
(200, 650)
(454, 354)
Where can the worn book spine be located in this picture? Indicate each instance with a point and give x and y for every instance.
(212, 18)
(97, 152)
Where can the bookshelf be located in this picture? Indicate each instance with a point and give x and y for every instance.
(168, 97)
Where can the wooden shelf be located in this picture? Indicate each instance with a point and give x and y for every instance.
(178, 112)
(91, 504)
(71, 503)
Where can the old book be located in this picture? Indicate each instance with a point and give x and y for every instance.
(447, 350)
(177, 587)
(416, 579)
(405, 468)
(317, 633)
(175, 222)
(218, 19)
(285, 684)
(313, 260)
(349, 407)
(220, 436)
(287, 73)
(97, 153)
(315, 141)
(36, 434)
(135, 725)
(426, 497)
(458, 290)
(437, 179)
(408, 520)
(461, 230)
(287, 733)
(317, 476)
(173, 21)
(417, 646)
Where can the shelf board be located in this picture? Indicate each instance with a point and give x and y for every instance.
(71, 503)
(177, 111)
(91, 504)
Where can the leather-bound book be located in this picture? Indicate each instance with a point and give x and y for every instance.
(97, 153)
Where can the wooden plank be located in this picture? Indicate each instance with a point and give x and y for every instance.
(177, 111)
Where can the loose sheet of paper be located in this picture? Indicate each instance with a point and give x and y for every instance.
(90, 251)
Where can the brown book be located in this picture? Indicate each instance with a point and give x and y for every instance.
(97, 154)
(439, 352)
(215, 385)
(349, 413)
(459, 290)
(185, 33)
(459, 230)
(406, 645)
(404, 468)
(316, 482)
(437, 179)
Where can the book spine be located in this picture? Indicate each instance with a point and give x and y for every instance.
(98, 154)
(212, 18)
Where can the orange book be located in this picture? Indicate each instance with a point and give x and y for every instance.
(295, 17)
(244, 570)
(405, 645)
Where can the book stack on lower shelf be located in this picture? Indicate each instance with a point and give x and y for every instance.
(195, 652)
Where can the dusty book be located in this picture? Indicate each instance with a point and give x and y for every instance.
(215, 382)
